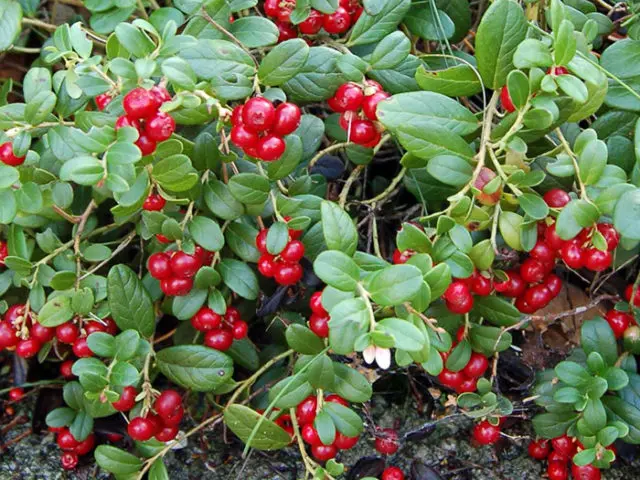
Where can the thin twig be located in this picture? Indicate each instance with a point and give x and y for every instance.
(219, 27)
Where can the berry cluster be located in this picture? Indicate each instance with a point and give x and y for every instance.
(141, 108)
(72, 449)
(386, 441)
(69, 333)
(319, 320)
(176, 269)
(357, 106)
(8, 157)
(306, 414)
(558, 453)
(220, 331)
(163, 425)
(258, 127)
(459, 295)
(486, 433)
(465, 380)
(334, 23)
(284, 267)
(505, 96)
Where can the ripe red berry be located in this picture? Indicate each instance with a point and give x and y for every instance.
(127, 399)
(146, 145)
(610, 234)
(618, 321)
(168, 403)
(573, 255)
(315, 303)
(8, 337)
(174, 419)
(476, 366)
(16, 394)
(184, 265)
(4, 252)
(348, 96)
(539, 449)
(554, 284)
(313, 23)
(337, 22)
(392, 473)
(69, 460)
(342, 442)
(154, 203)
(65, 369)
(28, 348)
(306, 410)
(244, 138)
(505, 100)
(176, 287)
(467, 386)
(102, 101)
(41, 333)
(218, 339)
(7, 157)
(564, 446)
(93, 327)
(402, 257)
(232, 315)
(140, 103)
(310, 435)
(159, 265)
(556, 198)
(532, 271)
(485, 434)
(319, 324)
(285, 9)
(458, 297)
(323, 453)
(480, 285)
(206, 319)
(271, 8)
(140, 429)
(597, 260)
(160, 127)
(285, 32)
(162, 239)
(124, 121)
(292, 252)
(585, 472)
(266, 265)
(167, 433)
(258, 114)
(86, 445)
(558, 71)
(66, 441)
(67, 333)
(542, 252)
(451, 379)
(240, 329)
(333, 398)
(287, 119)
(386, 441)
(557, 471)
(271, 147)
(288, 274)
(362, 132)
(552, 239)
(370, 104)
(261, 240)
(161, 94)
(538, 297)
(81, 348)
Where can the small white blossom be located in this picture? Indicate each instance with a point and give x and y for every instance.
(382, 356)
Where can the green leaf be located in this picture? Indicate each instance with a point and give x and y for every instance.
(458, 81)
(126, 345)
(350, 384)
(496, 310)
(626, 216)
(510, 225)
(346, 420)
(325, 427)
(373, 28)
(450, 170)
(324, 6)
(552, 425)
(395, 284)
(303, 340)
(249, 188)
(573, 87)
(60, 417)
(82, 426)
(186, 306)
(596, 336)
(10, 23)
(277, 237)
(239, 277)
(391, 51)
(532, 53)
(84, 170)
(575, 216)
(338, 228)
(429, 24)
(130, 303)
(594, 414)
(295, 389)
(117, 461)
(317, 80)
(102, 344)
(320, 373)
(220, 201)
(254, 32)
(206, 233)
(533, 205)
(242, 421)
(175, 173)
(283, 62)
(56, 312)
(134, 40)
(482, 254)
(406, 336)
(337, 269)
(572, 373)
(565, 43)
(349, 319)
(196, 367)
(501, 30)
(158, 470)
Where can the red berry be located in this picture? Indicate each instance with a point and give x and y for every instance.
(168, 403)
(65, 369)
(532, 271)
(86, 445)
(402, 257)
(271, 147)
(218, 339)
(505, 99)
(337, 22)
(258, 114)
(315, 303)
(319, 324)
(127, 399)
(288, 274)
(93, 327)
(586, 472)
(333, 398)
(558, 71)
(573, 255)
(141, 429)
(8, 337)
(167, 433)
(313, 23)
(557, 471)
(81, 348)
(124, 121)
(542, 252)
(140, 103)
(4, 252)
(162, 239)
(28, 348)
(261, 240)
(66, 441)
(306, 410)
(618, 321)
(349, 96)
(176, 287)
(67, 333)
(323, 453)
(232, 315)
(476, 366)
(271, 8)
(564, 446)
(240, 329)
(160, 127)
(16, 394)
(69, 460)
(467, 386)
(285, 32)
(159, 265)
(310, 435)
(451, 379)
(284, 12)
(161, 94)
(610, 234)
(342, 442)
(556, 198)
(539, 449)
(362, 132)
(386, 441)
(7, 157)
(206, 319)
(174, 419)
(266, 265)
(597, 260)
(244, 138)
(458, 297)
(287, 119)
(154, 203)
(552, 239)
(554, 284)
(485, 434)
(392, 473)
(480, 285)
(184, 265)
(236, 115)
(370, 104)
(146, 145)
(628, 293)
(102, 101)
(538, 297)
(41, 333)
(293, 251)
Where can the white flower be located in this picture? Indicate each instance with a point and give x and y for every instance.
(382, 356)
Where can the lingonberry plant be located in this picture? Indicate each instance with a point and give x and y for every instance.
(213, 211)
